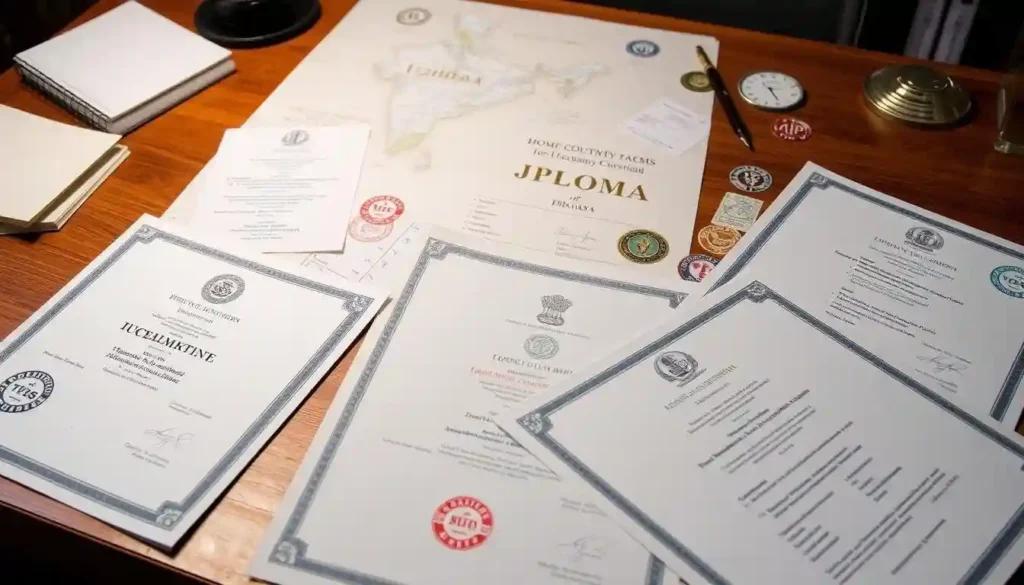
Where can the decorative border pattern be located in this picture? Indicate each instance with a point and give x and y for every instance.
(290, 550)
(169, 513)
(538, 423)
(821, 182)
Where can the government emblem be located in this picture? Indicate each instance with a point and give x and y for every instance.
(223, 289)
(676, 366)
(925, 239)
(295, 137)
(554, 306)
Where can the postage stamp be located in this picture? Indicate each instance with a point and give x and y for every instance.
(750, 179)
(696, 266)
(718, 239)
(737, 211)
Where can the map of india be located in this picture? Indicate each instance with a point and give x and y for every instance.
(457, 76)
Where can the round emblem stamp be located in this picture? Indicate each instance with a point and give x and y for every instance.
(295, 137)
(223, 288)
(925, 239)
(750, 179)
(24, 391)
(643, 246)
(413, 16)
(717, 239)
(643, 48)
(1009, 280)
(540, 346)
(676, 366)
(696, 81)
(462, 523)
(696, 266)
(364, 231)
(381, 209)
(791, 129)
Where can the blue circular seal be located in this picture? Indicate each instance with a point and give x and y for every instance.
(24, 391)
(1009, 280)
(643, 48)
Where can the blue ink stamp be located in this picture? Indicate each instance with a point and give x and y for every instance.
(1009, 280)
(24, 391)
(643, 48)
(541, 347)
(223, 289)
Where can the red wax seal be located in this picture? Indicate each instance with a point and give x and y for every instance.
(791, 129)
(462, 523)
(381, 209)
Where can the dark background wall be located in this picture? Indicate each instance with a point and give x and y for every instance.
(880, 25)
(25, 23)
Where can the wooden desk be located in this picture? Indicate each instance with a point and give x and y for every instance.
(954, 172)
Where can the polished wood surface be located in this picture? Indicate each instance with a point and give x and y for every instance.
(953, 172)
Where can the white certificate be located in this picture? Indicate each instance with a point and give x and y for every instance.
(749, 442)
(141, 389)
(283, 189)
(409, 480)
(511, 125)
(939, 300)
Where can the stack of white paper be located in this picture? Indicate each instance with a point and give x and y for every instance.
(49, 169)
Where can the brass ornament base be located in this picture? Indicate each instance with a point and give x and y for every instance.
(916, 95)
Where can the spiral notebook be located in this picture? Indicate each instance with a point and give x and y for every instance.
(124, 67)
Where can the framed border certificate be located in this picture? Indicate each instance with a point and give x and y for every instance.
(938, 299)
(410, 437)
(806, 475)
(136, 329)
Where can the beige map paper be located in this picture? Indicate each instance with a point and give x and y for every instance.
(501, 122)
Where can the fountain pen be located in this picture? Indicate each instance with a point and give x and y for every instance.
(725, 99)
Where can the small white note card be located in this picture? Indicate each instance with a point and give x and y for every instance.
(283, 189)
(669, 125)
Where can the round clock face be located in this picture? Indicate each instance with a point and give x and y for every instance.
(771, 90)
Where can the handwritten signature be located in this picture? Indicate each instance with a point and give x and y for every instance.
(576, 238)
(942, 363)
(586, 547)
(171, 436)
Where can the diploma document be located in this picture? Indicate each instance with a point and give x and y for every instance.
(939, 300)
(140, 390)
(519, 126)
(751, 442)
(409, 479)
